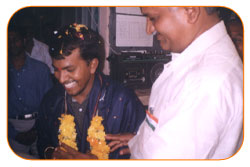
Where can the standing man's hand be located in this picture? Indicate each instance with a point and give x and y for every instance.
(66, 152)
(119, 140)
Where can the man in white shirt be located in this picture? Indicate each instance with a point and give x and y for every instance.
(37, 49)
(29, 24)
(196, 105)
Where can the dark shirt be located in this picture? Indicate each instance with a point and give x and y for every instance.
(26, 88)
(78, 111)
(121, 110)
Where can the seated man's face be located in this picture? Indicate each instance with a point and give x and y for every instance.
(74, 73)
(15, 43)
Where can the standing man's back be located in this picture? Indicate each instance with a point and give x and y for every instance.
(28, 81)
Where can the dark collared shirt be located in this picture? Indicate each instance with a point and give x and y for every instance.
(78, 110)
(26, 88)
(121, 110)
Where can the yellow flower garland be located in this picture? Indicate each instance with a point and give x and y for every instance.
(96, 138)
(96, 135)
(67, 131)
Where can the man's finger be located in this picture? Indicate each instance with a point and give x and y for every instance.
(118, 146)
(113, 143)
(121, 137)
(125, 151)
(68, 148)
(112, 136)
(58, 153)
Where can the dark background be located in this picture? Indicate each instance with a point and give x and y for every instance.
(134, 70)
(47, 19)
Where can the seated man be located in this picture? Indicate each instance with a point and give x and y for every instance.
(83, 92)
(28, 81)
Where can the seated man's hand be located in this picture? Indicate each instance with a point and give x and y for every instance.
(66, 152)
(119, 140)
(27, 138)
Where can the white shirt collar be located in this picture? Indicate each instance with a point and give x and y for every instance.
(200, 44)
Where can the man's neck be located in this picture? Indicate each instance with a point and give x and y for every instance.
(18, 61)
(80, 98)
(84, 94)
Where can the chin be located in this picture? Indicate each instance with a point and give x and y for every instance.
(164, 46)
(71, 92)
(75, 93)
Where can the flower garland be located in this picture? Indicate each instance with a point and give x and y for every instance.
(96, 138)
(96, 134)
(67, 131)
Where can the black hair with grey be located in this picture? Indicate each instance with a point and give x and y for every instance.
(211, 10)
(73, 36)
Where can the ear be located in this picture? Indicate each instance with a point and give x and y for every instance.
(93, 65)
(192, 14)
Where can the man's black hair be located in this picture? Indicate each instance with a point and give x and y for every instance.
(73, 36)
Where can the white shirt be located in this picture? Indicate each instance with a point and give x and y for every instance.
(198, 102)
(40, 51)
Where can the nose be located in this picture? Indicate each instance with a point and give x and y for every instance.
(150, 29)
(61, 76)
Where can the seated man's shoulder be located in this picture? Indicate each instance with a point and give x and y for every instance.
(38, 64)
